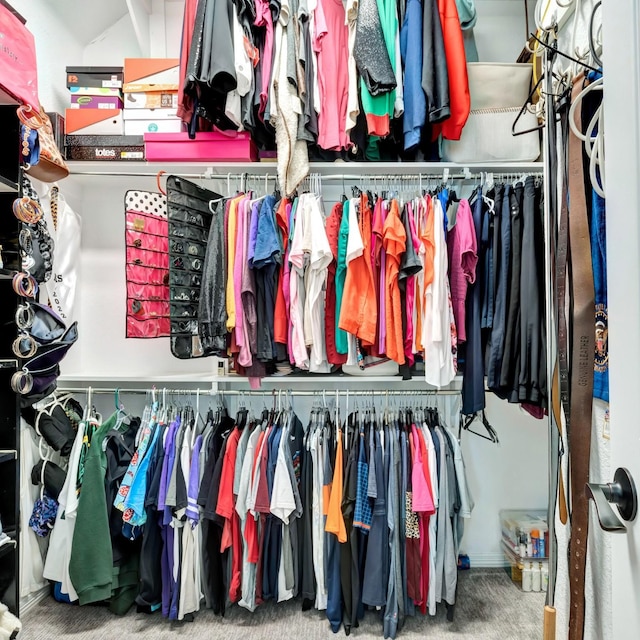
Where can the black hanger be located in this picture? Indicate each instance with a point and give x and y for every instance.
(554, 48)
(241, 419)
(492, 437)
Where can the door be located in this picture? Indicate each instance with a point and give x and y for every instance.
(621, 46)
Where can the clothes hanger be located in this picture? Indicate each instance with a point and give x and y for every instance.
(555, 49)
(492, 434)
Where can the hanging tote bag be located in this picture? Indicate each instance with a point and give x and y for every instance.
(498, 91)
(18, 69)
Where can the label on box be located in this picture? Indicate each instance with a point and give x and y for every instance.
(104, 153)
(151, 100)
(112, 84)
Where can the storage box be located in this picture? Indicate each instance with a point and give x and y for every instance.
(94, 122)
(96, 102)
(151, 100)
(207, 147)
(105, 148)
(105, 77)
(141, 121)
(95, 91)
(151, 74)
(57, 126)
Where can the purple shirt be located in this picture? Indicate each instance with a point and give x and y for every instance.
(193, 512)
(253, 231)
(167, 468)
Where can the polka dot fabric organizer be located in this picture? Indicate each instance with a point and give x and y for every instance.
(147, 265)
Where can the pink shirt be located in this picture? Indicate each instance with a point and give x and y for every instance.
(332, 46)
(264, 19)
(463, 258)
(245, 358)
(422, 498)
(382, 337)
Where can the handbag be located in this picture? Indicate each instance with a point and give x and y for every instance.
(44, 160)
(498, 91)
(18, 68)
(39, 374)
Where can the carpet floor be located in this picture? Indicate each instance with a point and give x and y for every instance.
(490, 607)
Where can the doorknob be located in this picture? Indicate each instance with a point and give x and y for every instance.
(622, 493)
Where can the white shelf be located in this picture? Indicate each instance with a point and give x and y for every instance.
(417, 382)
(66, 380)
(124, 169)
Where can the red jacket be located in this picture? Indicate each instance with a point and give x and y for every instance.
(460, 99)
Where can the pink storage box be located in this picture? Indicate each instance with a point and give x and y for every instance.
(206, 147)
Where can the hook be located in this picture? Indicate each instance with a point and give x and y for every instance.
(160, 189)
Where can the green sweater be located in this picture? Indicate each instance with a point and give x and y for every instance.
(91, 563)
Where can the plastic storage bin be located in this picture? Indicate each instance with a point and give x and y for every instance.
(525, 532)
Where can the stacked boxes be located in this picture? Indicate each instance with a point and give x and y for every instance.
(151, 96)
(94, 125)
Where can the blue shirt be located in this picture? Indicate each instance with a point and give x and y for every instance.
(415, 102)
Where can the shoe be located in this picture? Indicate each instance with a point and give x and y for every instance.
(10, 626)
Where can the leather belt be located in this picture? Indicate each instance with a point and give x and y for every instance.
(581, 373)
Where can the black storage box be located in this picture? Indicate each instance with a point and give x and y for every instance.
(104, 148)
(103, 77)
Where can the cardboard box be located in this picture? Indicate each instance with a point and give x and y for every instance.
(105, 148)
(105, 77)
(151, 100)
(141, 121)
(95, 91)
(96, 102)
(95, 122)
(151, 74)
(149, 114)
(140, 127)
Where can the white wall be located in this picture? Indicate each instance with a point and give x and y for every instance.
(510, 475)
(57, 45)
(500, 29)
(113, 45)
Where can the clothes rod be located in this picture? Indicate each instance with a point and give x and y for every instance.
(263, 393)
(337, 177)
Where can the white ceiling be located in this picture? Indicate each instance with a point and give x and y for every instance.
(87, 19)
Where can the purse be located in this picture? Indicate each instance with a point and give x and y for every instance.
(43, 160)
(498, 91)
(39, 374)
(39, 325)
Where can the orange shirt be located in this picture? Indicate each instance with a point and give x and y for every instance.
(335, 520)
(359, 310)
(394, 240)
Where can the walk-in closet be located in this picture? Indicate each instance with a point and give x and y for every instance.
(307, 319)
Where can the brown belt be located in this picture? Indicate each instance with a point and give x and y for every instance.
(582, 334)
